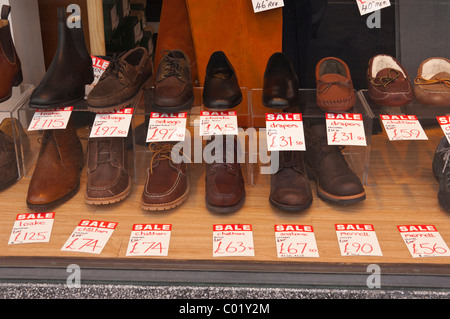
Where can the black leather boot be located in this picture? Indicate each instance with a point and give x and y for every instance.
(71, 69)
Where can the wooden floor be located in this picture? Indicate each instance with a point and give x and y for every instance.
(400, 190)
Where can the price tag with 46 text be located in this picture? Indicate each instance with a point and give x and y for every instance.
(53, 119)
(166, 127)
(357, 240)
(233, 240)
(114, 124)
(285, 132)
(423, 241)
(345, 129)
(295, 241)
(403, 127)
(32, 228)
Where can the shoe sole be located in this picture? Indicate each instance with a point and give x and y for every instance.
(114, 107)
(57, 105)
(226, 209)
(109, 200)
(173, 109)
(165, 206)
(290, 208)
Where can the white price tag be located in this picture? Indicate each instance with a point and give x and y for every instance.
(32, 228)
(50, 119)
(444, 122)
(263, 5)
(149, 240)
(115, 124)
(90, 236)
(423, 241)
(357, 240)
(99, 65)
(368, 6)
(345, 129)
(233, 240)
(295, 241)
(403, 127)
(285, 132)
(166, 127)
(218, 123)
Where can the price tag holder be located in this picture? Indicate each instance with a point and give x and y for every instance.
(233, 240)
(264, 5)
(295, 241)
(357, 240)
(444, 122)
(345, 129)
(403, 127)
(90, 236)
(99, 65)
(218, 123)
(166, 127)
(285, 132)
(423, 241)
(32, 228)
(114, 124)
(368, 6)
(149, 240)
(53, 119)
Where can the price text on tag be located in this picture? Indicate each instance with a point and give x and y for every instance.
(345, 129)
(357, 240)
(32, 228)
(90, 236)
(263, 5)
(368, 6)
(403, 127)
(285, 132)
(233, 240)
(164, 127)
(444, 122)
(99, 65)
(53, 119)
(295, 241)
(115, 124)
(149, 240)
(218, 123)
(423, 241)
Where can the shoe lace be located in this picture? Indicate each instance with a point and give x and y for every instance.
(323, 87)
(116, 67)
(162, 151)
(422, 81)
(446, 159)
(171, 66)
(384, 81)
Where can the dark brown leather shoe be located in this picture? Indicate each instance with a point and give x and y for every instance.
(388, 82)
(221, 88)
(289, 186)
(174, 90)
(108, 180)
(224, 183)
(11, 71)
(335, 91)
(118, 86)
(326, 164)
(167, 184)
(56, 177)
(280, 83)
(8, 160)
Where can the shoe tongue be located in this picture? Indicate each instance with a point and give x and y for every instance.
(103, 149)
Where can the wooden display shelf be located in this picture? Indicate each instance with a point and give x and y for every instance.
(402, 190)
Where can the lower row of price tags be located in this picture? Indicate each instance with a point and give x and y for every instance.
(292, 240)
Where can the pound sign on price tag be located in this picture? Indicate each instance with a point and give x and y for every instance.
(285, 132)
(357, 240)
(167, 127)
(233, 240)
(295, 241)
(149, 240)
(345, 129)
(423, 241)
(53, 119)
(218, 123)
(115, 124)
(403, 127)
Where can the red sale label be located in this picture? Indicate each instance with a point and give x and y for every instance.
(99, 66)
(345, 129)
(357, 240)
(444, 122)
(32, 228)
(218, 123)
(232, 240)
(52, 119)
(165, 127)
(284, 132)
(149, 240)
(114, 124)
(403, 127)
(423, 241)
(295, 241)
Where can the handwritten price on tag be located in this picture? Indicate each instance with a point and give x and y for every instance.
(106, 130)
(232, 247)
(423, 240)
(84, 244)
(112, 124)
(285, 132)
(50, 119)
(164, 134)
(282, 141)
(403, 127)
(144, 248)
(292, 249)
(165, 127)
(218, 123)
(339, 137)
(233, 240)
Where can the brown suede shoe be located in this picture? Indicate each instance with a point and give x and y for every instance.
(108, 180)
(167, 184)
(289, 186)
(335, 181)
(9, 169)
(432, 84)
(388, 82)
(174, 90)
(224, 183)
(56, 177)
(334, 85)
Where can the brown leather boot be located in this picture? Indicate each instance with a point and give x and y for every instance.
(56, 177)
(289, 186)
(224, 183)
(108, 180)
(9, 169)
(11, 71)
(167, 184)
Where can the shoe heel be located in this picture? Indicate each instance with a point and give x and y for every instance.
(18, 78)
